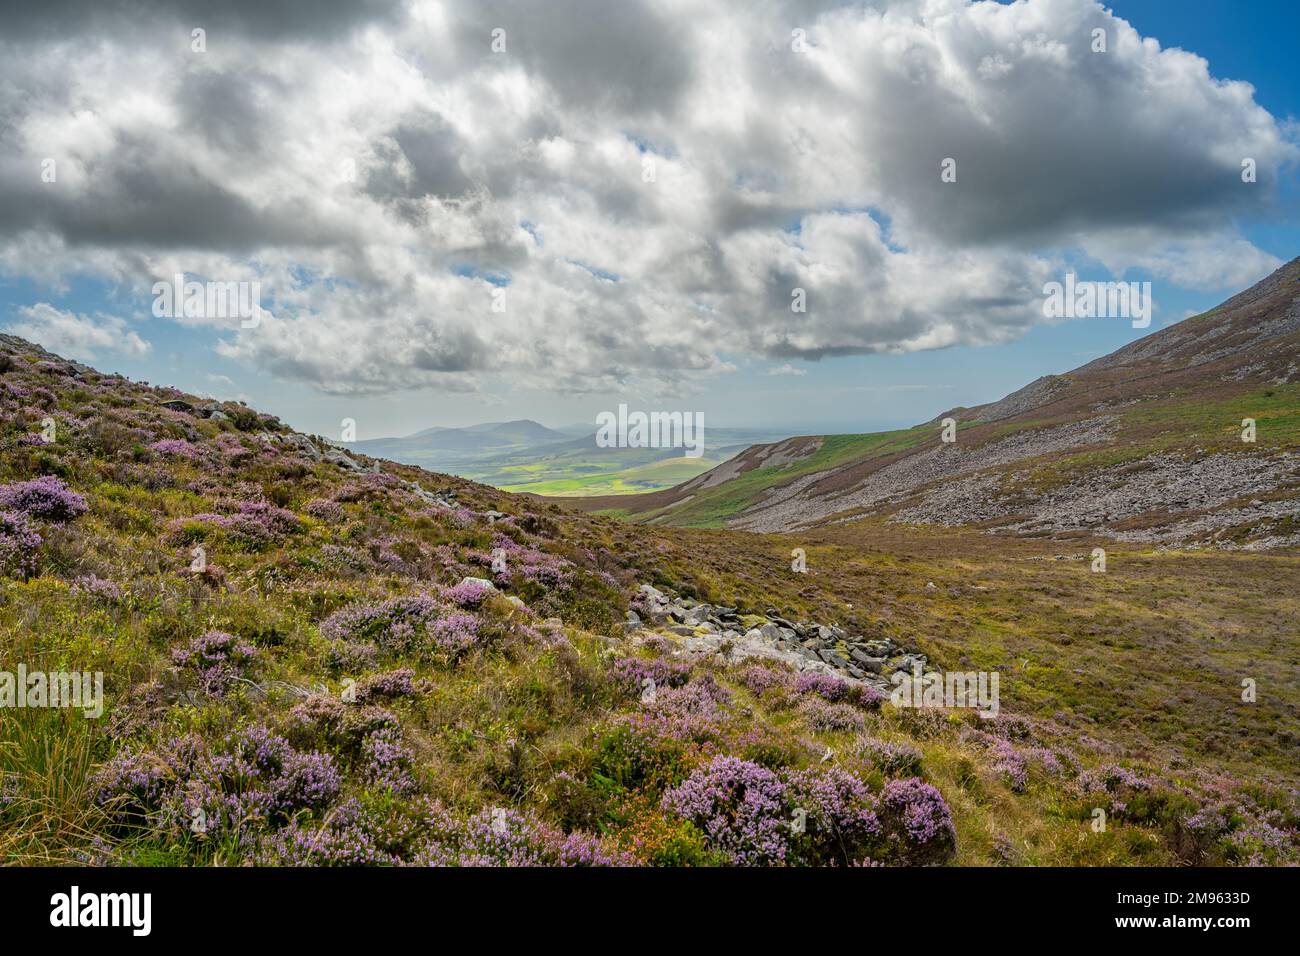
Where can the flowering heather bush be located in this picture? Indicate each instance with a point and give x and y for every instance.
(217, 658)
(387, 760)
(348, 836)
(917, 822)
(277, 521)
(46, 498)
(469, 594)
(1261, 843)
(19, 544)
(246, 531)
(504, 837)
(352, 656)
(455, 633)
(424, 833)
(325, 510)
(99, 588)
(398, 683)
(176, 448)
(740, 807)
(892, 759)
(696, 712)
(840, 825)
(633, 672)
(251, 779)
(825, 717)
(761, 679)
(376, 622)
(1113, 786)
(837, 690)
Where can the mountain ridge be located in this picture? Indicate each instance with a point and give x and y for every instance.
(1240, 360)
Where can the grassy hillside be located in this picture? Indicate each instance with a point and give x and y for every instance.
(325, 687)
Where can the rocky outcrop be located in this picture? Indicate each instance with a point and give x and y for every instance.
(716, 631)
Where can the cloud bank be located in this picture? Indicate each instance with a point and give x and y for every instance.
(582, 196)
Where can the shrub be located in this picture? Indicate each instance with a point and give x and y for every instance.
(218, 659)
(917, 822)
(19, 544)
(46, 498)
(891, 759)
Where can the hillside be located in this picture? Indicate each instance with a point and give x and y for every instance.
(1143, 445)
(311, 657)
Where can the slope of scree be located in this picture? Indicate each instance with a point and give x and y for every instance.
(1143, 445)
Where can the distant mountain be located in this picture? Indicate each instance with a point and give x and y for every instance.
(439, 445)
(1142, 445)
(523, 455)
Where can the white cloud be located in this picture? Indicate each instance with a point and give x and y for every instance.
(77, 336)
(651, 183)
(787, 369)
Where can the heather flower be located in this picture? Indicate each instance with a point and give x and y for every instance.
(838, 820)
(470, 593)
(739, 806)
(398, 683)
(387, 760)
(252, 778)
(829, 718)
(176, 448)
(695, 712)
(917, 822)
(46, 499)
(325, 510)
(218, 658)
(837, 690)
(634, 673)
(761, 679)
(19, 543)
(97, 587)
(455, 633)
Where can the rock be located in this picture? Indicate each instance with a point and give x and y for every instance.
(342, 459)
(178, 405)
(697, 615)
(634, 618)
(492, 516)
(770, 632)
(873, 664)
(833, 657)
(683, 630)
(482, 581)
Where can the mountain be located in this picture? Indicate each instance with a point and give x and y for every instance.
(453, 444)
(526, 456)
(1143, 445)
(310, 657)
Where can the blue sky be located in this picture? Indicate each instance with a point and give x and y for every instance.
(736, 380)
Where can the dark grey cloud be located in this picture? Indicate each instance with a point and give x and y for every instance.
(269, 20)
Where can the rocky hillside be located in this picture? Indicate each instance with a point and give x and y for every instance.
(309, 657)
(1143, 445)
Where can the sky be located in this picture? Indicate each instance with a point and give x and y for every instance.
(456, 211)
